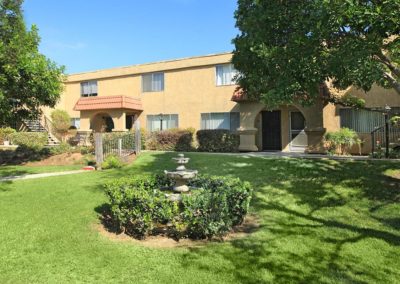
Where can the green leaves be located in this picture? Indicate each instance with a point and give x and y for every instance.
(28, 80)
(286, 49)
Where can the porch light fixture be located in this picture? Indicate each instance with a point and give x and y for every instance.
(161, 116)
(386, 113)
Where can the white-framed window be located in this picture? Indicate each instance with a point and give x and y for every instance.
(363, 120)
(76, 121)
(89, 89)
(157, 122)
(220, 120)
(153, 82)
(225, 74)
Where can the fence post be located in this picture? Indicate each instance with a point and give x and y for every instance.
(138, 139)
(120, 147)
(98, 144)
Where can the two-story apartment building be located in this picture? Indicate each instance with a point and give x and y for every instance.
(199, 92)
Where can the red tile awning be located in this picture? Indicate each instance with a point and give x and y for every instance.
(108, 102)
(239, 96)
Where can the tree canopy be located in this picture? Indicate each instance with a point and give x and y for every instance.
(288, 49)
(28, 80)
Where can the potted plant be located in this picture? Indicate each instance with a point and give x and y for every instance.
(395, 121)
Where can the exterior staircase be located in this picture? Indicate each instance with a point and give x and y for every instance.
(36, 126)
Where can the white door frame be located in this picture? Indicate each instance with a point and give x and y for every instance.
(296, 148)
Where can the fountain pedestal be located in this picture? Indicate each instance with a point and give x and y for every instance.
(181, 175)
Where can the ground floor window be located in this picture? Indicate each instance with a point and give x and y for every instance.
(220, 120)
(361, 120)
(76, 122)
(159, 122)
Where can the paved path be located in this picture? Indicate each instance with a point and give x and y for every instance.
(279, 154)
(42, 175)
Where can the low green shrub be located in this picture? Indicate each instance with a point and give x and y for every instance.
(86, 150)
(380, 153)
(171, 140)
(112, 162)
(140, 207)
(33, 140)
(340, 142)
(217, 140)
(62, 148)
(6, 133)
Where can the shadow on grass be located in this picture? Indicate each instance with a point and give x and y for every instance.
(5, 186)
(312, 211)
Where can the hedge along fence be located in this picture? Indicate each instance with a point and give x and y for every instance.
(171, 140)
(217, 140)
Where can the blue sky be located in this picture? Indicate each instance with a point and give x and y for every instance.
(87, 35)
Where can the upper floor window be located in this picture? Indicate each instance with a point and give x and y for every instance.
(89, 89)
(225, 74)
(153, 82)
(220, 120)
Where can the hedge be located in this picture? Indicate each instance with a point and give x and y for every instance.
(217, 140)
(32, 140)
(171, 140)
(139, 207)
(6, 133)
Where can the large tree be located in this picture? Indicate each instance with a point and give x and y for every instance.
(28, 80)
(288, 49)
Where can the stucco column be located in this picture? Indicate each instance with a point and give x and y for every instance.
(119, 119)
(315, 129)
(247, 130)
(85, 122)
(248, 139)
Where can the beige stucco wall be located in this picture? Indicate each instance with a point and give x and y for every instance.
(189, 89)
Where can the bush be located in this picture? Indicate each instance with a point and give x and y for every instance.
(340, 142)
(171, 140)
(61, 122)
(62, 148)
(6, 133)
(32, 140)
(140, 208)
(217, 140)
(112, 162)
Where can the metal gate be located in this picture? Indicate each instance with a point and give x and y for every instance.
(121, 144)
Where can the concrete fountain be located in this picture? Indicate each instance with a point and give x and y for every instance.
(181, 175)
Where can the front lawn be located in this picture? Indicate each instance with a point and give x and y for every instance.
(321, 221)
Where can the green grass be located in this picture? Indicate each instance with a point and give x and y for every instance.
(322, 221)
(23, 170)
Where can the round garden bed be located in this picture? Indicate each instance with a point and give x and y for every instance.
(139, 207)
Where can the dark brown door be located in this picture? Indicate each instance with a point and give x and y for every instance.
(271, 130)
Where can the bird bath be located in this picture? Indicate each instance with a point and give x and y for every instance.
(181, 175)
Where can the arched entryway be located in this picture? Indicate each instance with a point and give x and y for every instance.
(102, 122)
(281, 129)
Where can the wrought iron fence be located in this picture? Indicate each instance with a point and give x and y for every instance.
(378, 136)
(121, 144)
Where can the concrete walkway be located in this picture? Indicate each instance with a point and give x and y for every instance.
(42, 175)
(278, 154)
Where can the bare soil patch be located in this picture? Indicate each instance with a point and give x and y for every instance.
(250, 225)
(64, 159)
